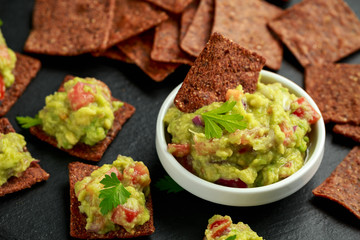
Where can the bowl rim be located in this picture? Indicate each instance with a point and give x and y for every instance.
(312, 162)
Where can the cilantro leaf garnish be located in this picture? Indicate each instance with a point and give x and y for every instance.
(27, 122)
(113, 194)
(216, 120)
(233, 237)
(168, 184)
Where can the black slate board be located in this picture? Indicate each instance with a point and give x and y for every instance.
(43, 211)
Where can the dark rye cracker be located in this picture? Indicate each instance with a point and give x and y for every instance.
(77, 171)
(70, 27)
(348, 130)
(133, 17)
(166, 47)
(114, 53)
(139, 48)
(199, 31)
(343, 185)
(319, 31)
(25, 70)
(335, 89)
(187, 17)
(245, 22)
(81, 150)
(174, 6)
(222, 65)
(33, 174)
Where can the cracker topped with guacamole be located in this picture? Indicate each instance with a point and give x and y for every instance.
(81, 118)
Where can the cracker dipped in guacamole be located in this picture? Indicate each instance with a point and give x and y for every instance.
(251, 140)
(222, 228)
(114, 196)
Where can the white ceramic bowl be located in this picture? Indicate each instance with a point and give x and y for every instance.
(244, 196)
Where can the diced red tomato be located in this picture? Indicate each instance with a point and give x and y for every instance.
(78, 97)
(179, 150)
(305, 110)
(237, 183)
(2, 87)
(287, 131)
(4, 53)
(138, 173)
(116, 171)
(122, 212)
(219, 227)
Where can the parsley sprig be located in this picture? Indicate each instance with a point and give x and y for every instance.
(233, 237)
(216, 120)
(168, 184)
(27, 122)
(113, 194)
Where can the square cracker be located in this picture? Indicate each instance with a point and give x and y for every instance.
(245, 22)
(319, 31)
(33, 174)
(174, 6)
(222, 65)
(335, 89)
(25, 70)
(70, 27)
(343, 185)
(77, 171)
(348, 130)
(82, 150)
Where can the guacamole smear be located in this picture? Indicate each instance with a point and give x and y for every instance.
(83, 112)
(222, 228)
(270, 146)
(7, 64)
(134, 176)
(13, 159)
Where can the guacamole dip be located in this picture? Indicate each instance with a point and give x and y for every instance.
(222, 228)
(7, 64)
(83, 112)
(13, 159)
(271, 146)
(134, 176)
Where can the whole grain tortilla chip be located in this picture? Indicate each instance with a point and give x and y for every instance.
(25, 70)
(335, 89)
(343, 185)
(222, 65)
(82, 150)
(33, 174)
(138, 49)
(245, 22)
(174, 6)
(166, 46)
(348, 130)
(187, 17)
(77, 171)
(133, 17)
(199, 31)
(114, 53)
(70, 27)
(319, 31)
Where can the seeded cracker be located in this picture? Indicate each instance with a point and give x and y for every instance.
(222, 65)
(245, 22)
(138, 49)
(33, 174)
(343, 185)
(319, 31)
(25, 70)
(335, 89)
(70, 27)
(174, 6)
(81, 150)
(348, 130)
(77, 171)
(166, 47)
(199, 31)
(133, 17)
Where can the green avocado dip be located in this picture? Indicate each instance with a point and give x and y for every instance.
(7, 65)
(83, 112)
(269, 147)
(134, 177)
(14, 160)
(222, 228)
